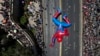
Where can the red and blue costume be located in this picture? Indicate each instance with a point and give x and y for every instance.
(61, 27)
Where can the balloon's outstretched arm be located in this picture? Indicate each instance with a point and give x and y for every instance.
(57, 13)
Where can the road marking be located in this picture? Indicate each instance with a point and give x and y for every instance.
(74, 26)
(69, 6)
(74, 45)
(60, 47)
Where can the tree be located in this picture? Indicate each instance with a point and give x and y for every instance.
(16, 50)
(23, 20)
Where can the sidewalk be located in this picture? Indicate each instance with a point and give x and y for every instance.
(81, 28)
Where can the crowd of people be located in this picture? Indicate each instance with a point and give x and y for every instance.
(11, 27)
(5, 13)
(91, 27)
(35, 21)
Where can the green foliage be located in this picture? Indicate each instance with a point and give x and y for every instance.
(16, 50)
(23, 20)
(33, 30)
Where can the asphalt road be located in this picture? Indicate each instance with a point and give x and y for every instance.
(49, 27)
(71, 44)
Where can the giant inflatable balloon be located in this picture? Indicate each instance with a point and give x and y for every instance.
(62, 26)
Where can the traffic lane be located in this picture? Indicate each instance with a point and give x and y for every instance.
(45, 24)
(48, 30)
(72, 11)
(76, 26)
(65, 50)
(75, 35)
(50, 12)
(53, 50)
(66, 8)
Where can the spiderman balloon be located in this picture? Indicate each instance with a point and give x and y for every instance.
(61, 27)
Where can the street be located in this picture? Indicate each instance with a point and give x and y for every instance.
(49, 28)
(70, 45)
